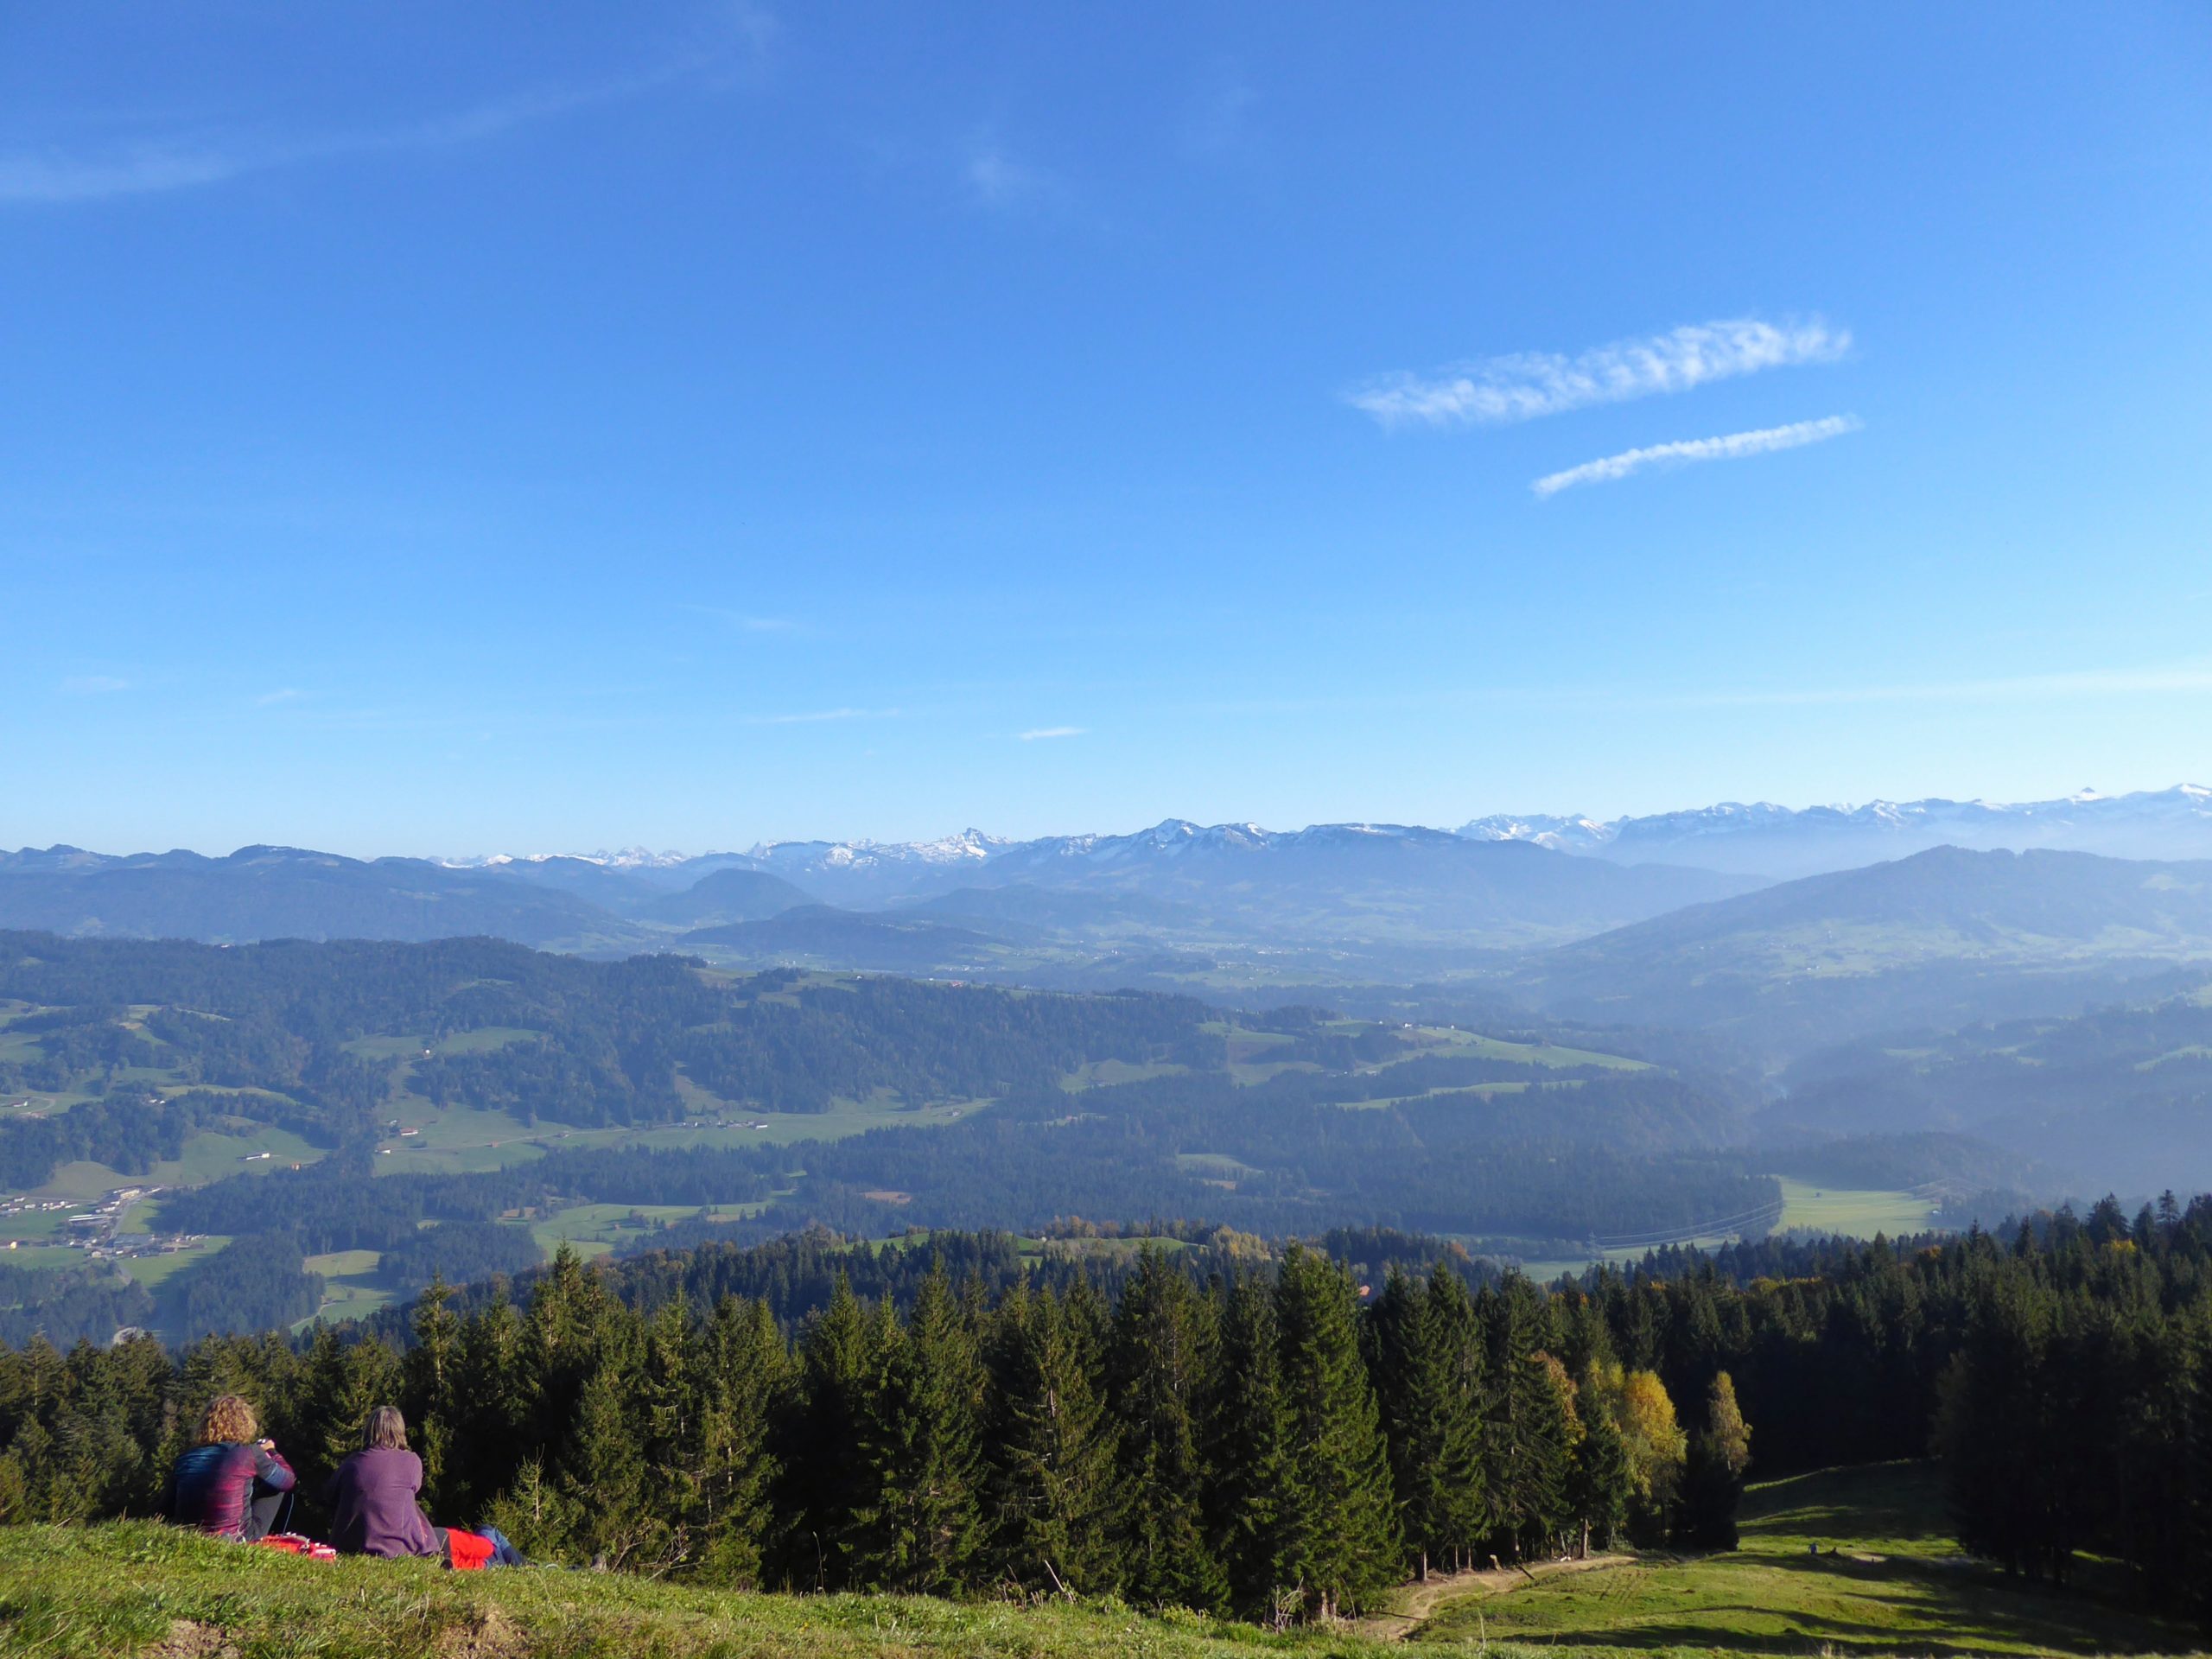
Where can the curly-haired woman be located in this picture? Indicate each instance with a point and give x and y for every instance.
(232, 1484)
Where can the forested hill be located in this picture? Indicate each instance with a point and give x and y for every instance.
(575, 1041)
(370, 1113)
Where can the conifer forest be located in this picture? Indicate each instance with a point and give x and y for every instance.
(1221, 1425)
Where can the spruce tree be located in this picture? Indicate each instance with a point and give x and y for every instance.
(827, 1481)
(427, 1375)
(1427, 1361)
(1161, 1368)
(739, 1375)
(492, 1415)
(1524, 1427)
(603, 1474)
(1249, 1439)
(1712, 1481)
(1055, 1489)
(1340, 1538)
(340, 1384)
(1601, 1484)
(926, 1523)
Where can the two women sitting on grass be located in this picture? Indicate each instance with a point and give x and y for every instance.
(374, 1510)
(234, 1484)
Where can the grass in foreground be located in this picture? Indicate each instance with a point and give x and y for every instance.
(139, 1588)
(1897, 1585)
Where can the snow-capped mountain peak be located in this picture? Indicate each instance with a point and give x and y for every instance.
(1760, 838)
(1740, 838)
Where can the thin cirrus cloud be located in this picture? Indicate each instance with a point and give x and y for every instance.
(1044, 732)
(34, 177)
(1735, 446)
(746, 621)
(817, 717)
(1527, 385)
(1000, 180)
(52, 178)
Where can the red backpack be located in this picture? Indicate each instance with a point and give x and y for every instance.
(466, 1551)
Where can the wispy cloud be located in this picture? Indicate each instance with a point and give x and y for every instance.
(183, 161)
(818, 716)
(745, 621)
(1734, 447)
(282, 693)
(1498, 390)
(996, 179)
(1043, 732)
(92, 685)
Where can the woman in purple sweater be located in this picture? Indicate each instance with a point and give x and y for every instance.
(372, 1499)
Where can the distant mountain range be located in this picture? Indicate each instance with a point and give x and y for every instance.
(1759, 839)
(274, 893)
(1593, 921)
(1762, 839)
(1336, 885)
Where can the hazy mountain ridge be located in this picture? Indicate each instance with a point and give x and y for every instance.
(1943, 938)
(1762, 838)
(2116, 1097)
(1348, 884)
(1754, 838)
(259, 893)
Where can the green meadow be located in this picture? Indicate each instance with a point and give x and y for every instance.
(1845, 1562)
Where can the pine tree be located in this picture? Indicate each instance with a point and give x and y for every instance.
(1339, 1531)
(1055, 1489)
(492, 1415)
(1162, 1369)
(1524, 1427)
(602, 1474)
(341, 1385)
(1250, 1437)
(739, 1375)
(427, 1375)
(926, 1520)
(827, 1480)
(1428, 1365)
(2196, 1542)
(1600, 1485)
(1712, 1481)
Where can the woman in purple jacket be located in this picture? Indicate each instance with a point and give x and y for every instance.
(373, 1499)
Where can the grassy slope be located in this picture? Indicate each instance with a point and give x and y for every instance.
(139, 1588)
(1898, 1585)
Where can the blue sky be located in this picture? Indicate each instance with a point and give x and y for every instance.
(451, 428)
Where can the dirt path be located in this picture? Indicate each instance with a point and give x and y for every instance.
(1419, 1601)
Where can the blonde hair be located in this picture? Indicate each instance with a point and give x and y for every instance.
(386, 1430)
(229, 1418)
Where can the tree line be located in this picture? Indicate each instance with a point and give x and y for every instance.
(774, 1407)
(1266, 1443)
